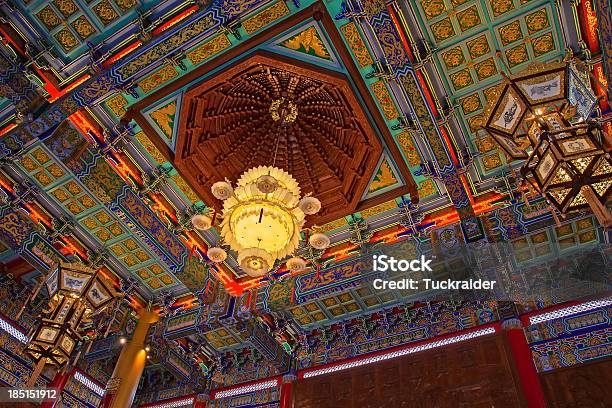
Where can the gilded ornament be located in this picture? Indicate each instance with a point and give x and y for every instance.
(461, 79)
(485, 69)
(360, 51)
(517, 55)
(500, 7)
(485, 144)
(433, 8)
(150, 148)
(453, 57)
(491, 161)
(510, 32)
(471, 104)
(66, 7)
(158, 78)
(105, 12)
(383, 178)
(49, 18)
(373, 7)
(468, 18)
(265, 17)
(125, 5)
(66, 39)
(117, 105)
(83, 27)
(543, 44)
(430, 130)
(166, 46)
(406, 143)
(384, 99)
(208, 49)
(537, 21)
(309, 42)
(378, 209)
(427, 188)
(164, 118)
(478, 47)
(442, 30)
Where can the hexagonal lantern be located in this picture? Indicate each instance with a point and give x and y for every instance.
(571, 168)
(75, 291)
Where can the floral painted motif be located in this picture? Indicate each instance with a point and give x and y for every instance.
(468, 18)
(355, 42)
(537, 21)
(150, 148)
(485, 144)
(427, 188)
(164, 118)
(453, 57)
(117, 105)
(406, 143)
(309, 42)
(491, 161)
(478, 47)
(378, 209)
(125, 5)
(442, 30)
(383, 178)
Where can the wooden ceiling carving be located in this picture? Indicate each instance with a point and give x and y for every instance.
(263, 111)
(331, 148)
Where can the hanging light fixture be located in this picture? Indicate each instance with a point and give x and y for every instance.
(262, 218)
(264, 214)
(541, 115)
(75, 292)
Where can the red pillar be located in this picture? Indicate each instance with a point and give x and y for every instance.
(59, 382)
(523, 360)
(286, 399)
(201, 400)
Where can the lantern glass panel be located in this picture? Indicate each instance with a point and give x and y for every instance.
(543, 87)
(508, 112)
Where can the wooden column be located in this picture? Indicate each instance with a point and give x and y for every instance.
(286, 397)
(201, 400)
(59, 382)
(122, 386)
(523, 359)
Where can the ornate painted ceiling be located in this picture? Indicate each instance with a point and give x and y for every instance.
(116, 116)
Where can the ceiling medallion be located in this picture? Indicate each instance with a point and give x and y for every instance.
(263, 217)
(283, 111)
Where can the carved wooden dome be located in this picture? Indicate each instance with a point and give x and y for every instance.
(266, 112)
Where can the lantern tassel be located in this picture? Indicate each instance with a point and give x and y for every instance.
(36, 373)
(555, 217)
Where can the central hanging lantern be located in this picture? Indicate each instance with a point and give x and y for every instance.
(263, 217)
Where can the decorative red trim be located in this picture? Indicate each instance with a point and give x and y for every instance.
(214, 392)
